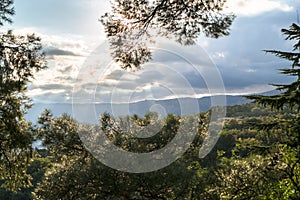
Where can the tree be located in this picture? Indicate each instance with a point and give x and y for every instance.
(291, 92)
(6, 10)
(290, 96)
(20, 59)
(244, 178)
(247, 170)
(132, 23)
(75, 174)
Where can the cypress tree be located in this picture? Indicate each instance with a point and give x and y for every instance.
(290, 93)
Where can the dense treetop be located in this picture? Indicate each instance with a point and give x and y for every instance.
(132, 23)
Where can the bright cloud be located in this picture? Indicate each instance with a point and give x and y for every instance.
(65, 54)
(255, 7)
(244, 68)
(171, 74)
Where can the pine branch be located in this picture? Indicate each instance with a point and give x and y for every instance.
(295, 57)
(293, 34)
(291, 92)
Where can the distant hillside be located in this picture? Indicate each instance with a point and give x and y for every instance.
(89, 113)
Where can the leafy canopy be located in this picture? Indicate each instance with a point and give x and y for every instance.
(132, 23)
(290, 93)
(20, 59)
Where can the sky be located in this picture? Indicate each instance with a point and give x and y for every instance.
(80, 68)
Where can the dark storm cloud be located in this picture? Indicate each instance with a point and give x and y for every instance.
(245, 64)
(173, 54)
(196, 80)
(67, 69)
(53, 51)
(52, 97)
(51, 87)
(115, 73)
(250, 36)
(237, 79)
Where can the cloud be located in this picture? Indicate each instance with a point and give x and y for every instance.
(171, 74)
(56, 17)
(251, 8)
(175, 71)
(51, 86)
(65, 45)
(52, 51)
(243, 48)
(65, 55)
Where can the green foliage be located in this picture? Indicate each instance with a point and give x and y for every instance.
(131, 23)
(291, 92)
(290, 96)
(289, 186)
(20, 58)
(245, 163)
(36, 169)
(256, 157)
(118, 131)
(245, 178)
(59, 135)
(75, 174)
(6, 10)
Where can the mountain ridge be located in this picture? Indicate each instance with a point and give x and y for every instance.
(89, 113)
